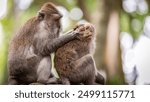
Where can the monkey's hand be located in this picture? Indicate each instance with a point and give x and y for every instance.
(85, 30)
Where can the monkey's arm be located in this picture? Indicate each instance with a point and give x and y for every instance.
(52, 45)
(83, 61)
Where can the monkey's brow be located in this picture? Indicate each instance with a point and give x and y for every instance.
(50, 11)
(56, 12)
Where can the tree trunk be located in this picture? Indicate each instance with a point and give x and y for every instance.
(108, 54)
(100, 22)
(112, 61)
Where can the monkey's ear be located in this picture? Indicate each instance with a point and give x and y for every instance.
(41, 15)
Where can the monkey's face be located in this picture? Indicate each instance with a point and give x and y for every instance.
(51, 17)
(87, 30)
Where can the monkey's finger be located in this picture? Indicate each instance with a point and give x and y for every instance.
(52, 80)
(78, 25)
(89, 27)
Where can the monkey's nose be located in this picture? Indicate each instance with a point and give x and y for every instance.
(60, 15)
(57, 16)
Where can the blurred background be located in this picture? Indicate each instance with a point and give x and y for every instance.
(123, 33)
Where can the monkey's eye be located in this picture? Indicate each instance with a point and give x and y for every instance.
(41, 15)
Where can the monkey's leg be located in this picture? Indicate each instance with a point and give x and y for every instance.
(86, 69)
(65, 81)
(88, 63)
(36, 84)
(44, 71)
(12, 81)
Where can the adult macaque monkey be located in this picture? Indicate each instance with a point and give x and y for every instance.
(74, 61)
(29, 58)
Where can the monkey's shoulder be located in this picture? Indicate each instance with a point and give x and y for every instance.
(75, 44)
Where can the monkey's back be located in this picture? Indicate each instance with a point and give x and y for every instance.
(18, 65)
(70, 52)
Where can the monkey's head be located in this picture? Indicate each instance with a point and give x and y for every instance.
(87, 29)
(50, 15)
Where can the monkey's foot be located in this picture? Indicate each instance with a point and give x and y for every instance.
(36, 83)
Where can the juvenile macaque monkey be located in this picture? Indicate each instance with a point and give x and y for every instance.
(74, 62)
(29, 58)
